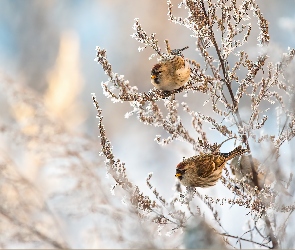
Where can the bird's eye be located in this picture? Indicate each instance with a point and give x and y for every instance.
(153, 76)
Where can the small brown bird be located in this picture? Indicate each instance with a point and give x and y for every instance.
(204, 170)
(241, 167)
(171, 73)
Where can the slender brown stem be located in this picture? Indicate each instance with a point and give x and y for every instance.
(228, 85)
(240, 238)
(236, 110)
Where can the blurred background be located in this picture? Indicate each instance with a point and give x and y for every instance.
(48, 47)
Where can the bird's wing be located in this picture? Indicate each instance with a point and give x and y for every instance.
(219, 160)
(206, 166)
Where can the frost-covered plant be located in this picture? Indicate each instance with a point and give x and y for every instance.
(231, 79)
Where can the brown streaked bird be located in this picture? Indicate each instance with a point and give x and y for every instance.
(241, 167)
(171, 73)
(204, 170)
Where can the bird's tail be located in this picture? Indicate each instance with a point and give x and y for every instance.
(237, 151)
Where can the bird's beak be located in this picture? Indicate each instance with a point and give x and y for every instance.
(153, 76)
(178, 175)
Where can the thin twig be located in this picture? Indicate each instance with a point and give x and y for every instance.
(240, 238)
(245, 139)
